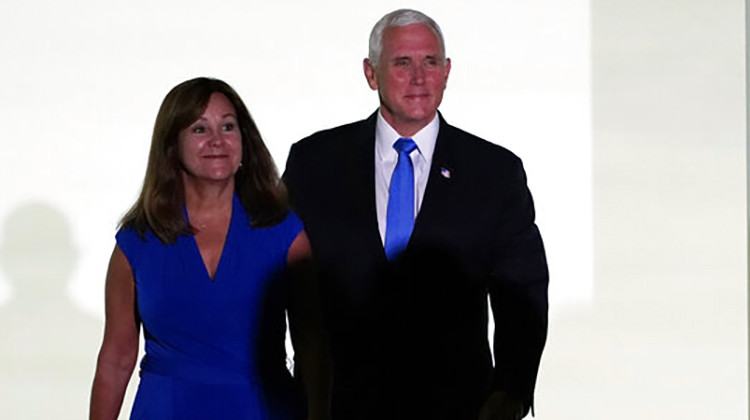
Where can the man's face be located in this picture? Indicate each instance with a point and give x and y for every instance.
(410, 77)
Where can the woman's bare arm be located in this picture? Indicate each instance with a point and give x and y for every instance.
(117, 356)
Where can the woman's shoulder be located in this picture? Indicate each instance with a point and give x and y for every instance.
(134, 243)
(131, 234)
(291, 223)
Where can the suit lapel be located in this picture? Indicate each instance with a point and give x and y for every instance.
(363, 191)
(440, 183)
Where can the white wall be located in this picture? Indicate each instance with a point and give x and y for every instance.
(629, 118)
(666, 336)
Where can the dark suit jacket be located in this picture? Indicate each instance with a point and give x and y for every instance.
(409, 337)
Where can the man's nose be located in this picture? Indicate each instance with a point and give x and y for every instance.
(417, 74)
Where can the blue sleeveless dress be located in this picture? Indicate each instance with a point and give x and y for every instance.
(214, 348)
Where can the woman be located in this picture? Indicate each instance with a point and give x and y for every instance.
(201, 261)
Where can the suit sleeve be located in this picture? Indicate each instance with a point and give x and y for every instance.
(289, 170)
(290, 177)
(518, 291)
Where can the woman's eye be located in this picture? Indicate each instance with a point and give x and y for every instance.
(228, 127)
(199, 129)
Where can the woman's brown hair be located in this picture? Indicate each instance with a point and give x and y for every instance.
(159, 207)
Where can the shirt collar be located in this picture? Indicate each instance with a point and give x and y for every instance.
(425, 138)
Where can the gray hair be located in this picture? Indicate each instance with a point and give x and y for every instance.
(397, 18)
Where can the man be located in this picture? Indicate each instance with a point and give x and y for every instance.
(405, 298)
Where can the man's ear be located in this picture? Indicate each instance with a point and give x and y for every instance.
(370, 74)
(447, 69)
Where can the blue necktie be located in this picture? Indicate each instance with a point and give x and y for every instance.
(400, 216)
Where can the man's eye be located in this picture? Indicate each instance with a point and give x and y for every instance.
(402, 62)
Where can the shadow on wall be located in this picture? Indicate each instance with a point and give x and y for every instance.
(48, 346)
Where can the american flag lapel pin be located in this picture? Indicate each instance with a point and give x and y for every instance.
(445, 172)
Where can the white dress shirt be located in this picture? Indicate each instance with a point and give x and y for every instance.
(386, 158)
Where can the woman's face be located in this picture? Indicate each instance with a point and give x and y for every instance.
(211, 147)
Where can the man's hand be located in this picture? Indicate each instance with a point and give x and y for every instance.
(500, 406)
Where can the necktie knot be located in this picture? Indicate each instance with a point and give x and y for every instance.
(404, 145)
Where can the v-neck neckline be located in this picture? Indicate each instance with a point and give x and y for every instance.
(196, 252)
